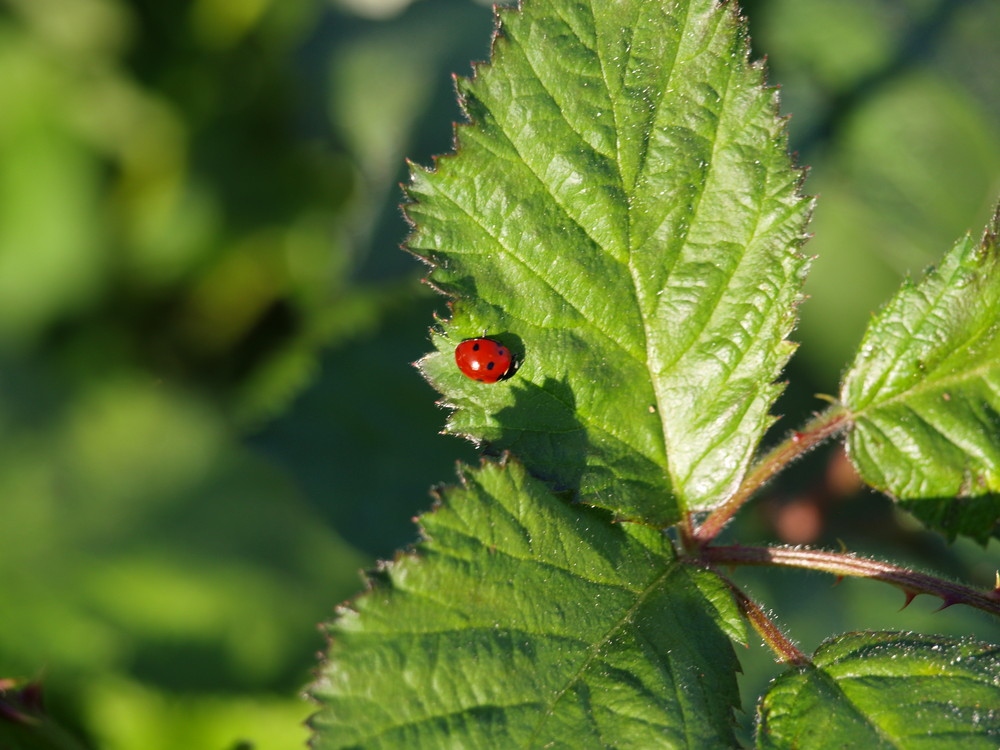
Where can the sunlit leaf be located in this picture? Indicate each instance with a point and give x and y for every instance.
(925, 393)
(622, 212)
(887, 690)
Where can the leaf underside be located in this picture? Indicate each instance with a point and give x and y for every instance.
(925, 393)
(622, 212)
(523, 622)
(887, 690)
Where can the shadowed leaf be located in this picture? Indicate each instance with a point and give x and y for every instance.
(525, 622)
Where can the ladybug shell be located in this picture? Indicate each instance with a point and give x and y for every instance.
(483, 359)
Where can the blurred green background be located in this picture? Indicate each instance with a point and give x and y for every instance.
(208, 421)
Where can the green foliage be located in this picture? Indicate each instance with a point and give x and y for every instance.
(887, 690)
(175, 248)
(620, 211)
(525, 622)
(623, 209)
(142, 545)
(898, 120)
(925, 393)
(182, 245)
(197, 197)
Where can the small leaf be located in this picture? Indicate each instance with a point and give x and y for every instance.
(925, 393)
(622, 213)
(523, 622)
(887, 690)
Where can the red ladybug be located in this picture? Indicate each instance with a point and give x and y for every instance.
(483, 359)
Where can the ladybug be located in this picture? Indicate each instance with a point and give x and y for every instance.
(483, 359)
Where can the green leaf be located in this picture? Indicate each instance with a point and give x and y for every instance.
(887, 690)
(524, 622)
(925, 393)
(622, 212)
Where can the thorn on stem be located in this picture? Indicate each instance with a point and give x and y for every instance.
(945, 603)
(910, 596)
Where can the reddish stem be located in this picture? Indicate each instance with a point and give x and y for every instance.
(785, 651)
(828, 423)
(911, 582)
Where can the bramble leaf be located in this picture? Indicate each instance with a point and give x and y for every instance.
(523, 622)
(925, 393)
(887, 690)
(622, 212)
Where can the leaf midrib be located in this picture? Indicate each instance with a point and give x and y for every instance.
(864, 716)
(926, 385)
(648, 348)
(656, 459)
(931, 307)
(672, 567)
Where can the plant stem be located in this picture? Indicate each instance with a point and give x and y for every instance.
(785, 651)
(911, 582)
(830, 422)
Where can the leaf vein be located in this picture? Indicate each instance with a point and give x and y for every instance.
(863, 716)
(511, 252)
(594, 649)
(930, 309)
